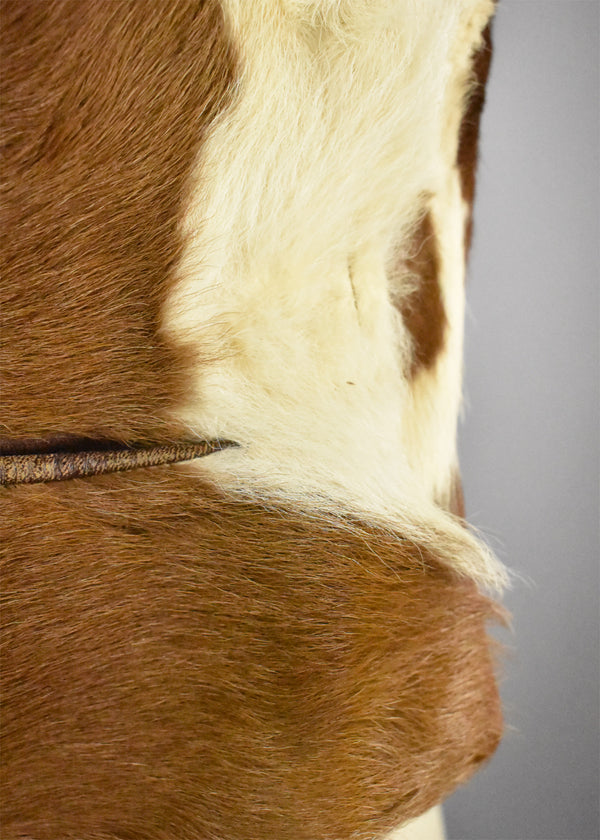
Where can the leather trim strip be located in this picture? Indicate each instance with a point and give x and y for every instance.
(35, 468)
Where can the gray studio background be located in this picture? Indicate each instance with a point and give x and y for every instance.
(529, 442)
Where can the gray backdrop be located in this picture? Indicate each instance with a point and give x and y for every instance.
(529, 442)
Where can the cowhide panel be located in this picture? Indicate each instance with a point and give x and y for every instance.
(242, 220)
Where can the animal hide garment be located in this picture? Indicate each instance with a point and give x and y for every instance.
(242, 222)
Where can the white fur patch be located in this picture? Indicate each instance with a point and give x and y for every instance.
(343, 131)
(429, 826)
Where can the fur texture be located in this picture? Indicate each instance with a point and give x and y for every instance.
(104, 106)
(244, 222)
(195, 667)
(299, 265)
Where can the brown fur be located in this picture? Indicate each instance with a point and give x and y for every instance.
(104, 105)
(423, 309)
(180, 665)
(176, 664)
(469, 129)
